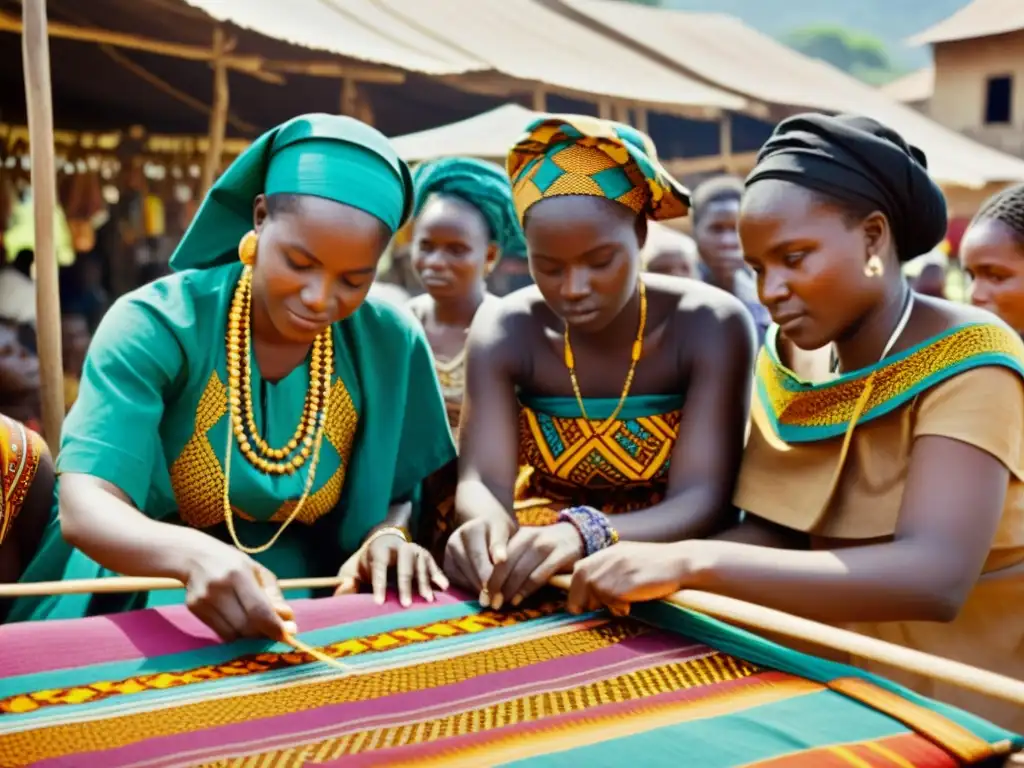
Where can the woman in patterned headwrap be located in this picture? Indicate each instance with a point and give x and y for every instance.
(616, 391)
(465, 221)
(889, 494)
(254, 416)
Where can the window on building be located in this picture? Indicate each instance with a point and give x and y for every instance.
(999, 100)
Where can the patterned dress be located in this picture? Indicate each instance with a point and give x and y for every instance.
(567, 460)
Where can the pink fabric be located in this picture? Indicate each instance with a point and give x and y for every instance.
(155, 632)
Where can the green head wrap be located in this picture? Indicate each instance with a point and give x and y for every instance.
(337, 158)
(483, 185)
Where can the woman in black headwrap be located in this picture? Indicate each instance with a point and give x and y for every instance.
(894, 480)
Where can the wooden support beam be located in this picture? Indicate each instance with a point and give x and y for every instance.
(641, 119)
(219, 113)
(349, 97)
(338, 70)
(35, 47)
(271, 71)
(725, 141)
(540, 100)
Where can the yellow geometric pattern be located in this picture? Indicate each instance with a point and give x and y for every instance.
(266, 662)
(632, 686)
(616, 467)
(832, 405)
(197, 475)
(578, 155)
(74, 738)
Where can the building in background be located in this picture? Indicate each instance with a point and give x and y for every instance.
(977, 81)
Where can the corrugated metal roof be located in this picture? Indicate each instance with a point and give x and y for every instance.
(724, 51)
(359, 29)
(982, 18)
(526, 40)
(488, 135)
(917, 86)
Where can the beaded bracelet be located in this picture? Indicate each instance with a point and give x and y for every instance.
(593, 526)
(387, 530)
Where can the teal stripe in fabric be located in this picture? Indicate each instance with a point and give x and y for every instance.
(793, 433)
(636, 407)
(725, 741)
(746, 645)
(220, 654)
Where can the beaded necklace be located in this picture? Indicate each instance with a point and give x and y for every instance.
(305, 444)
(637, 352)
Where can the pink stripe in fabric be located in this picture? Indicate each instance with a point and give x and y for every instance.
(160, 631)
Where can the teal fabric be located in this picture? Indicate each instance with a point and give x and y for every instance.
(635, 407)
(157, 352)
(757, 650)
(483, 185)
(337, 158)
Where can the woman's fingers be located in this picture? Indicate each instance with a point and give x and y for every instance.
(406, 568)
(423, 575)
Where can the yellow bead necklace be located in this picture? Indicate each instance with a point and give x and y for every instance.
(637, 353)
(308, 436)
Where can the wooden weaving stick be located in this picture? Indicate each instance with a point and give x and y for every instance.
(769, 620)
(721, 607)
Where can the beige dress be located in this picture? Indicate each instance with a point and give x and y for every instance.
(787, 483)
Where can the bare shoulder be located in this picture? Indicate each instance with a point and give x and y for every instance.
(716, 315)
(501, 325)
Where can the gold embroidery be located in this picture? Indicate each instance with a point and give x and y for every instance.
(197, 475)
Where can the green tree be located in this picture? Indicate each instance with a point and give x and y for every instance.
(862, 55)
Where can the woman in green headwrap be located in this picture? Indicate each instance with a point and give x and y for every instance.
(465, 221)
(253, 416)
(615, 392)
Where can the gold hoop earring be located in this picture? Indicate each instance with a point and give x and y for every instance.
(874, 267)
(247, 248)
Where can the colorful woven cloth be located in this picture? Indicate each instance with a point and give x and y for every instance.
(447, 684)
(578, 155)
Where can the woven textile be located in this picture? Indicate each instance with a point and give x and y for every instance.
(447, 684)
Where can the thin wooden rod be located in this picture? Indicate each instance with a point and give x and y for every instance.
(38, 94)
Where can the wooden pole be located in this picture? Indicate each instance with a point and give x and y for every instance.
(725, 141)
(349, 97)
(540, 100)
(641, 119)
(219, 113)
(36, 54)
(769, 620)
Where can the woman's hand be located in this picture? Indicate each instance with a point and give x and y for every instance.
(629, 572)
(475, 548)
(373, 560)
(535, 554)
(236, 596)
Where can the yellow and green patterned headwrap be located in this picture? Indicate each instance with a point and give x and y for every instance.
(577, 155)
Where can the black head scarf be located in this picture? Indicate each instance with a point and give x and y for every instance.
(860, 161)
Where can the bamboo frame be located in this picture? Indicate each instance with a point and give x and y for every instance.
(38, 94)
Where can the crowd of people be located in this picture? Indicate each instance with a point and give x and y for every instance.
(766, 410)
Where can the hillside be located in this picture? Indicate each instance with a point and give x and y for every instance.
(892, 21)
